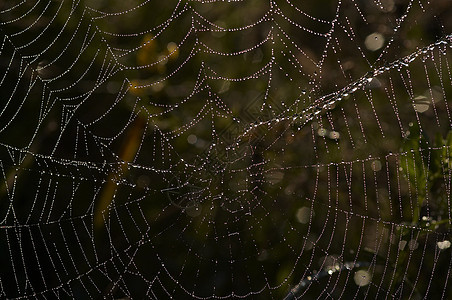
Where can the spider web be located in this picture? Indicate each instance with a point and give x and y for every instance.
(225, 149)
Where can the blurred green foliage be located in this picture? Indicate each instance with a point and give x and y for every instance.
(98, 103)
(424, 165)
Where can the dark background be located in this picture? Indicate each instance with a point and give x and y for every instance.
(140, 159)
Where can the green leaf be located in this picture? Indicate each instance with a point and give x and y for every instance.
(436, 159)
(415, 164)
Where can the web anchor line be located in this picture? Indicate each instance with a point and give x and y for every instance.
(328, 102)
(136, 165)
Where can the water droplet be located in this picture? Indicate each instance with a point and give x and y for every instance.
(362, 277)
(443, 245)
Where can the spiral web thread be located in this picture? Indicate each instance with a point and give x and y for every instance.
(225, 149)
